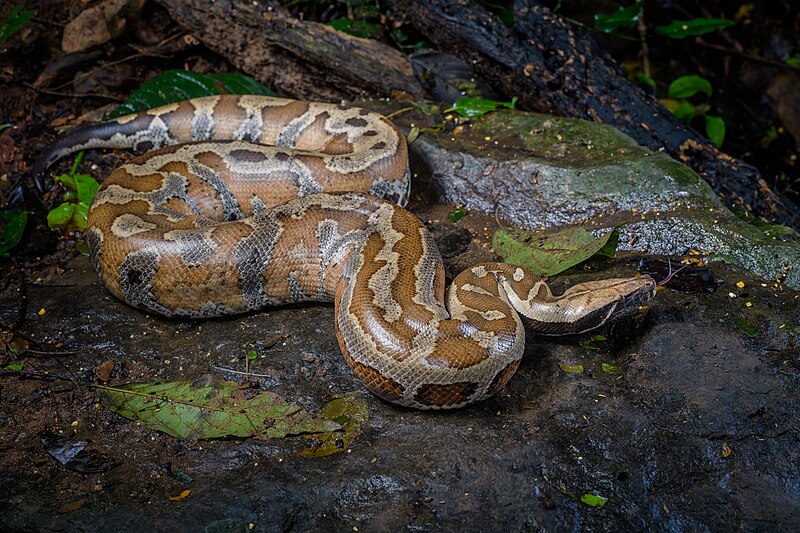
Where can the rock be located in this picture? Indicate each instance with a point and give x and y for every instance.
(539, 171)
(684, 420)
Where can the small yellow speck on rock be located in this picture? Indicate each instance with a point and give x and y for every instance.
(748, 304)
(42, 311)
(251, 526)
(181, 496)
(167, 361)
(740, 284)
(726, 450)
(74, 424)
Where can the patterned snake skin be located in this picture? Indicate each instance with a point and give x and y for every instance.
(251, 201)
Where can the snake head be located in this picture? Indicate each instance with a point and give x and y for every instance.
(587, 305)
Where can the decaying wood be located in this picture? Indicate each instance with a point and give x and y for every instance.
(556, 67)
(550, 64)
(299, 58)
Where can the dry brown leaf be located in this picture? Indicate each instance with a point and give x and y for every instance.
(99, 24)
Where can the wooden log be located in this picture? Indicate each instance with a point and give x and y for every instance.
(556, 67)
(299, 58)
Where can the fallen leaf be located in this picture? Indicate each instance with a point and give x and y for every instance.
(99, 24)
(180, 496)
(73, 454)
(594, 500)
(103, 370)
(570, 368)
(746, 327)
(71, 506)
(211, 408)
(351, 413)
(553, 253)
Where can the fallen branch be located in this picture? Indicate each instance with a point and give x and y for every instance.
(556, 67)
(299, 58)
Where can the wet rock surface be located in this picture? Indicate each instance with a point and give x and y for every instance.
(695, 428)
(538, 171)
(685, 419)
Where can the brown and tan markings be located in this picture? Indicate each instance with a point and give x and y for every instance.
(248, 201)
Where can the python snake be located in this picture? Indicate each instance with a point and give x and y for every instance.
(252, 201)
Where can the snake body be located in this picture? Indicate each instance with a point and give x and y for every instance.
(242, 205)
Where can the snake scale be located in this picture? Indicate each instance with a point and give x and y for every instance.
(250, 201)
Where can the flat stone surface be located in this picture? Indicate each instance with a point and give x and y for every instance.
(651, 438)
(680, 419)
(538, 171)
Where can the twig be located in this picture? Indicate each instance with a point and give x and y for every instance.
(27, 374)
(46, 353)
(240, 372)
(745, 55)
(48, 22)
(75, 95)
(642, 27)
(22, 301)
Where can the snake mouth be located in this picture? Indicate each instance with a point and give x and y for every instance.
(640, 294)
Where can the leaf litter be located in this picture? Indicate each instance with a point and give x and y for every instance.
(213, 408)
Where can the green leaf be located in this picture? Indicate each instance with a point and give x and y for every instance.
(688, 86)
(573, 369)
(358, 28)
(16, 367)
(548, 255)
(413, 133)
(72, 215)
(611, 369)
(625, 17)
(457, 214)
(81, 187)
(747, 328)
(351, 413)
(793, 61)
(594, 500)
(685, 112)
(14, 22)
(177, 85)
(69, 217)
(212, 408)
(679, 29)
(82, 246)
(506, 16)
(644, 79)
(715, 129)
(251, 355)
(590, 344)
(609, 249)
(80, 217)
(12, 227)
(475, 107)
(60, 217)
